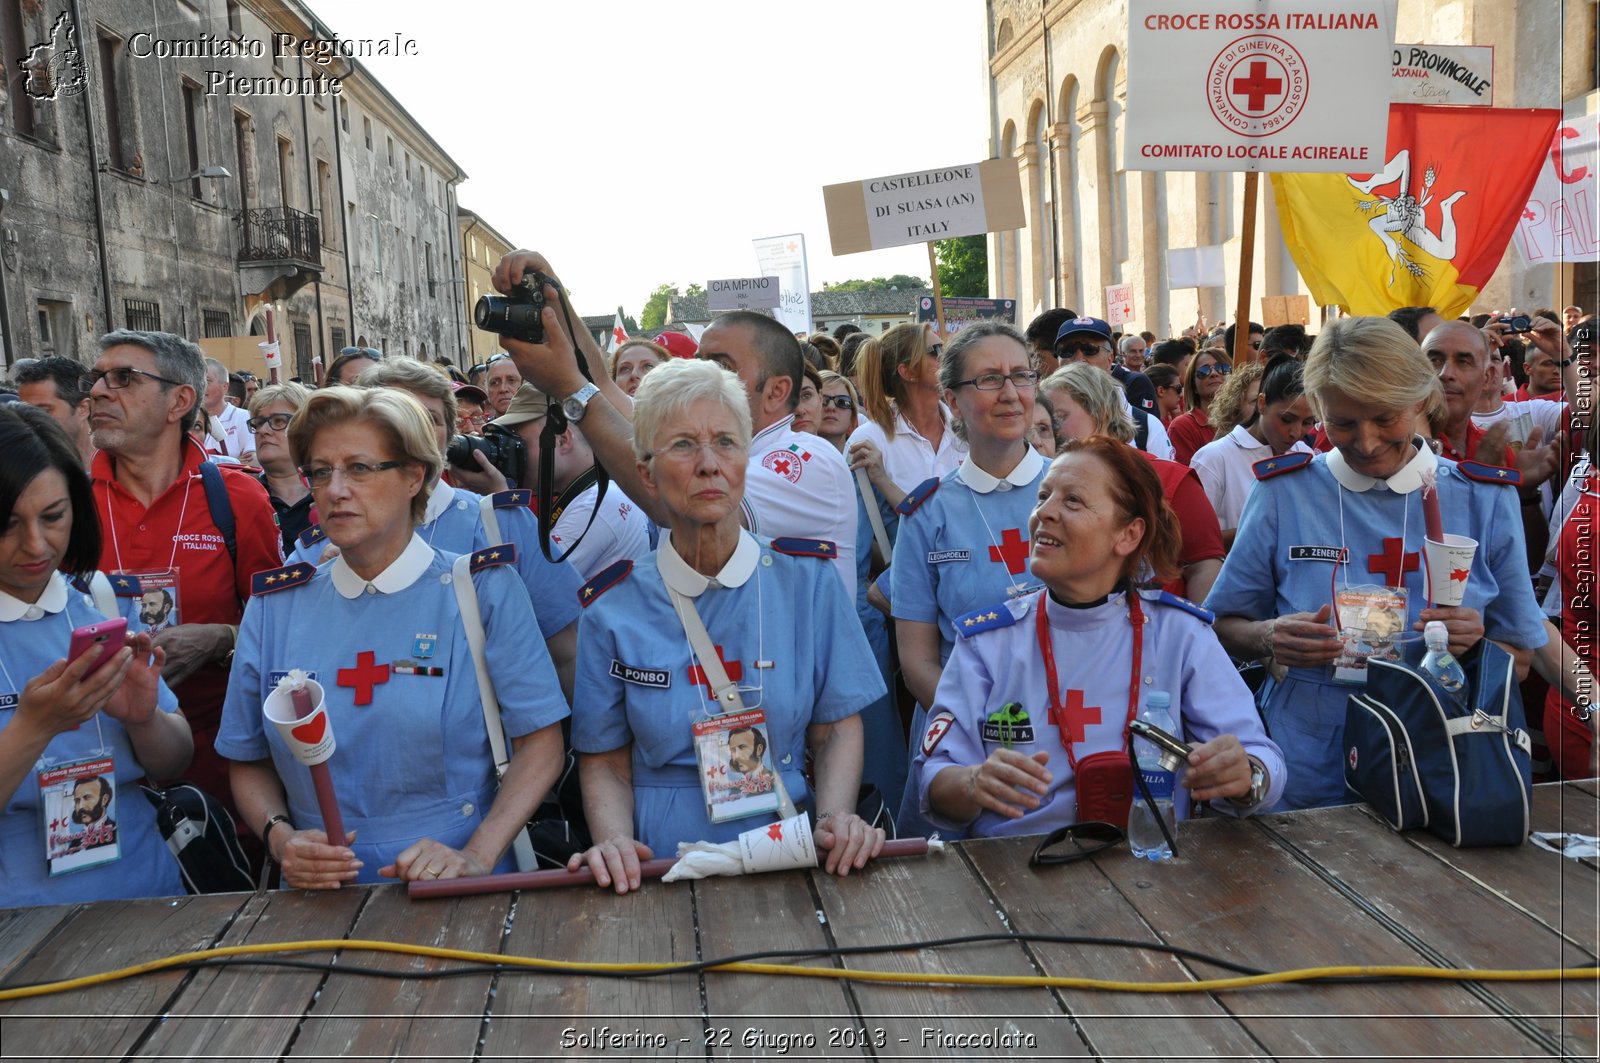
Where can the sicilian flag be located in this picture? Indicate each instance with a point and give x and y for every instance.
(1431, 226)
(619, 334)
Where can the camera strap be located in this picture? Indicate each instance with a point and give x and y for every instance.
(555, 423)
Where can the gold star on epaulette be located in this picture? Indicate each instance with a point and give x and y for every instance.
(992, 616)
(495, 556)
(824, 547)
(911, 500)
(588, 592)
(1272, 465)
(1502, 473)
(969, 621)
(274, 578)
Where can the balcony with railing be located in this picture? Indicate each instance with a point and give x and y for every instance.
(279, 235)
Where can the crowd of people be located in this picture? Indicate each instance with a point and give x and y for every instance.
(678, 590)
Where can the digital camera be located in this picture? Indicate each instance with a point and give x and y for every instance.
(505, 450)
(515, 315)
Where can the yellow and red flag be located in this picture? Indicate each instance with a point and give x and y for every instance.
(1432, 225)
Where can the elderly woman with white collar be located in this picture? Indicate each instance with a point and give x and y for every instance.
(1316, 530)
(710, 668)
(381, 628)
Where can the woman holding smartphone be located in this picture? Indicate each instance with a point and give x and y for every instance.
(75, 735)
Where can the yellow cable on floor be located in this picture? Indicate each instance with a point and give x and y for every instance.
(1548, 974)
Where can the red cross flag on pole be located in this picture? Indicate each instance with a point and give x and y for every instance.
(619, 334)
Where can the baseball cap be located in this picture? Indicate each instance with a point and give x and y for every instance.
(1087, 325)
(528, 404)
(470, 392)
(678, 344)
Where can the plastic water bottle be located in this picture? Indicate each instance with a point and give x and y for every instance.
(1438, 662)
(1144, 831)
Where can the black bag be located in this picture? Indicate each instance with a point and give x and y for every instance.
(558, 828)
(202, 837)
(1459, 768)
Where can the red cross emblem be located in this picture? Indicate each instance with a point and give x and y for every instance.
(1075, 716)
(775, 832)
(1013, 550)
(1459, 575)
(364, 676)
(1393, 563)
(1256, 86)
(697, 675)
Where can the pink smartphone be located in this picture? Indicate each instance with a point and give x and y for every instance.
(103, 639)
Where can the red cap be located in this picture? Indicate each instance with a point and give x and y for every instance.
(678, 344)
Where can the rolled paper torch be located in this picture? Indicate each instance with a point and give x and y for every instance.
(1430, 506)
(419, 889)
(296, 708)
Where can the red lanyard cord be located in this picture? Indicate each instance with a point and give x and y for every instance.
(1058, 714)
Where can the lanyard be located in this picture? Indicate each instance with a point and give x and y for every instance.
(1057, 713)
(183, 509)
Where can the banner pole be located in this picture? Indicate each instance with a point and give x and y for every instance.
(938, 299)
(1242, 352)
(272, 337)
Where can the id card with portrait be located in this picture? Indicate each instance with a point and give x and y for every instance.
(158, 601)
(736, 773)
(78, 802)
(1372, 623)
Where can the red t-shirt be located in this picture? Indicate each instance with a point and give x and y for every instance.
(1202, 535)
(1189, 433)
(177, 531)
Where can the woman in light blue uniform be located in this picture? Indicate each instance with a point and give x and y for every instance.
(54, 718)
(380, 628)
(779, 621)
(454, 519)
(1039, 684)
(1352, 517)
(963, 540)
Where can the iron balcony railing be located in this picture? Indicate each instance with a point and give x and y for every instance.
(275, 234)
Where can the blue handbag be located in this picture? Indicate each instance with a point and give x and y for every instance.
(1457, 766)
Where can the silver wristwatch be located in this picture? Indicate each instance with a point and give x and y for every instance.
(1258, 786)
(575, 405)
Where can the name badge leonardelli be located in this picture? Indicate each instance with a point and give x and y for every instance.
(937, 557)
(659, 678)
(1337, 554)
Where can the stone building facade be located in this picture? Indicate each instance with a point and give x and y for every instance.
(336, 208)
(482, 247)
(1058, 92)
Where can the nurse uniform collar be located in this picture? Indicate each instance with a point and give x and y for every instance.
(677, 573)
(1412, 475)
(52, 601)
(401, 573)
(438, 501)
(1020, 476)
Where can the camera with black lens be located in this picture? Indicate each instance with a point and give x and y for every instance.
(515, 315)
(505, 450)
(1520, 323)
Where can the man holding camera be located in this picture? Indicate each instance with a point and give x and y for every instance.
(797, 484)
(619, 530)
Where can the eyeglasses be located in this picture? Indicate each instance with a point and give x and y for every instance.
(1206, 370)
(117, 379)
(838, 402)
(276, 421)
(1098, 834)
(1022, 378)
(320, 476)
(723, 448)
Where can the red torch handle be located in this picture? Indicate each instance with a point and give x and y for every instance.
(321, 777)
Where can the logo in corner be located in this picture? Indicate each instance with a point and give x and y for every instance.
(54, 67)
(785, 463)
(1257, 85)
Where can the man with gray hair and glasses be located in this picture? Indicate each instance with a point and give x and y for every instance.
(173, 521)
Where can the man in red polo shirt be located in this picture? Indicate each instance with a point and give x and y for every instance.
(161, 525)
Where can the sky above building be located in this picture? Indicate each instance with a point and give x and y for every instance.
(638, 143)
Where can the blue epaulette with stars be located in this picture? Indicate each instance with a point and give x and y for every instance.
(996, 616)
(806, 547)
(918, 495)
(126, 586)
(603, 581)
(1490, 474)
(1267, 468)
(312, 535)
(517, 499)
(1192, 608)
(277, 579)
(490, 556)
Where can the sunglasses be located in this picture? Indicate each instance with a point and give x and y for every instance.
(1082, 350)
(1207, 370)
(838, 402)
(1098, 835)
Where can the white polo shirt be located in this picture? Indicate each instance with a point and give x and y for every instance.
(237, 438)
(910, 457)
(620, 531)
(797, 485)
(1224, 468)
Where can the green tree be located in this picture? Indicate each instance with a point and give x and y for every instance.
(963, 266)
(900, 282)
(695, 291)
(654, 314)
(629, 324)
